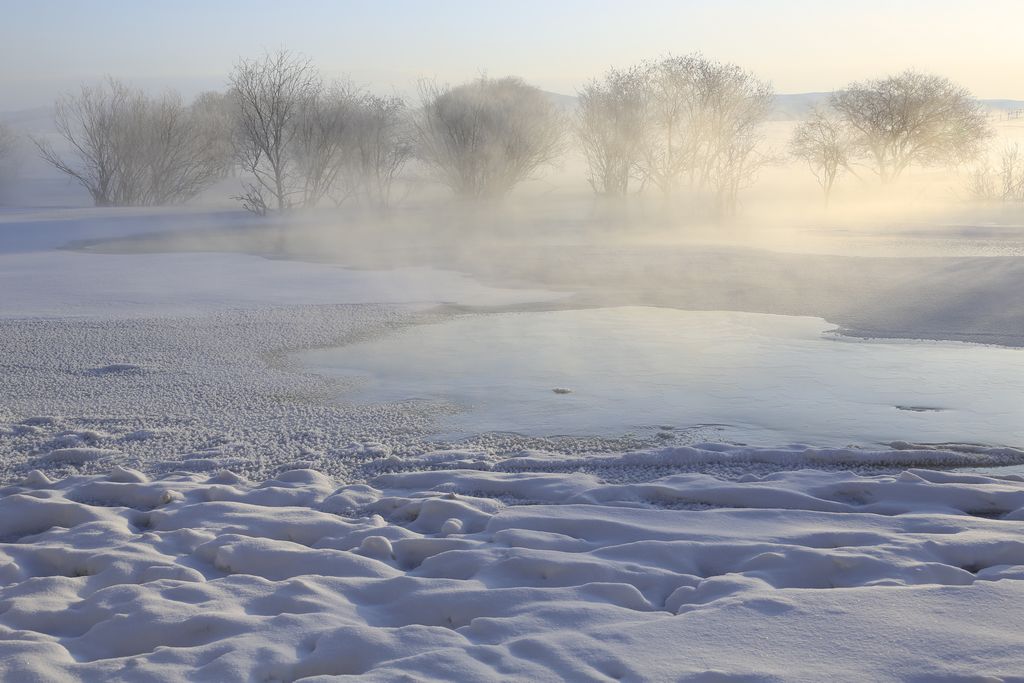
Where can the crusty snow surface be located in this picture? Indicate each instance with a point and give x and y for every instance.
(181, 502)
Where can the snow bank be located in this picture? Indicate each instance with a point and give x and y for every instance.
(437, 576)
(51, 284)
(39, 278)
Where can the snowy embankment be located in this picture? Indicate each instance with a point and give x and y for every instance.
(468, 575)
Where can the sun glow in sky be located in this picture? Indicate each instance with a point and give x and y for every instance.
(47, 46)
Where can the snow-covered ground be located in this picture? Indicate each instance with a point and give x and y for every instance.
(40, 278)
(470, 575)
(184, 500)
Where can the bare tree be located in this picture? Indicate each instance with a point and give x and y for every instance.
(215, 117)
(703, 127)
(673, 122)
(611, 121)
(483, 137)
(912, 118)
(382, 144)
(128, 149)
(178, 164)
(9, 151)
(303, 143)
(823, 143)
(1002, 181)
(1011, 174)
(88, 123)
(734, 167)
(271, 95)
(7, 142)
(324, 141)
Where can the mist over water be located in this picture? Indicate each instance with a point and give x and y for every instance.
(739, 377)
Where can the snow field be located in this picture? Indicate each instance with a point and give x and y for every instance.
(437, 576)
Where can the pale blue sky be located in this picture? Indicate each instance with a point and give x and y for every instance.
(800, 45)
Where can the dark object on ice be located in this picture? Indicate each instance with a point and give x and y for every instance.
(920, 409)
(562, 390)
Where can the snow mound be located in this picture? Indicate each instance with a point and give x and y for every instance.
(435, 575)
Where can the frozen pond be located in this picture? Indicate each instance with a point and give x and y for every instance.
(753, 378)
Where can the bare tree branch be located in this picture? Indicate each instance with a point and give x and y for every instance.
(824, 143)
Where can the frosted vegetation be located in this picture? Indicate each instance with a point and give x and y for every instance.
(688, 128)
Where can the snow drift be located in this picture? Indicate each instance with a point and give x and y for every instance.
(477, 575)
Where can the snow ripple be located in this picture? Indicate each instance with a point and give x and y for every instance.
(429, 575)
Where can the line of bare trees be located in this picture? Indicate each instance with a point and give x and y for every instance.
(685, 127)
(296, 141)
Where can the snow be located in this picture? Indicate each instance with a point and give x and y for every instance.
(181, 499)
(39, 278)
(431, 576)
(64, 284)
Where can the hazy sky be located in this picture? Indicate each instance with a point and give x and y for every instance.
(800, 45)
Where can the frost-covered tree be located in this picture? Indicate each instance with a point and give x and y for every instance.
(271, 95)
(129, 149)
(703, 130)
(1001, 180)
(302, 142)
(324, 142)
(215, 121)
(611, 121)
(678, 123)
(912, 119)
(484, 137)
(382, 144)
(6, 142)
(823, 143)
(8, 153)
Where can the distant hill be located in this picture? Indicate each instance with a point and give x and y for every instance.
(795, 106)
(567, 102)
(1004, 105)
